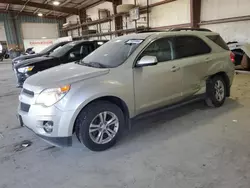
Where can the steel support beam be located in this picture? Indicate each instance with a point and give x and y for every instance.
(7, 7)
(44, 2)
(42, 6)
(226, 20)
(28, 14)
(195, 13)
(118, 19)
(64, 3)
(83, 18)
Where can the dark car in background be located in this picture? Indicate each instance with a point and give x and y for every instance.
(45, 51)
(70, 52)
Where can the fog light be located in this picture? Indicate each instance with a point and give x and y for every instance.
(48, 126)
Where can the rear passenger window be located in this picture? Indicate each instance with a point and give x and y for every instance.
(219, 41)
(188, 46)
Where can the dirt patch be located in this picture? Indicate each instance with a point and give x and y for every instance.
(22, 145)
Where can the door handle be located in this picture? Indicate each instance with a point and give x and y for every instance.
(174, 69)
(208, 59)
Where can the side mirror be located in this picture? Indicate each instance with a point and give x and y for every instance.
(147, 61)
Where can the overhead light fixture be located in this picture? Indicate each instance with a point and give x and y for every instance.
(40, 14)
(44, 37)
(56, 3)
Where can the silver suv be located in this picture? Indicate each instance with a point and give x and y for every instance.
(95, 98)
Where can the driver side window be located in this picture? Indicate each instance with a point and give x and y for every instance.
(161, 49)
(75, 54)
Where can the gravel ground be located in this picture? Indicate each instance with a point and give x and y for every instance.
(189, 147)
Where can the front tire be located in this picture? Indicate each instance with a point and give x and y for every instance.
(99, 125)
(216, 92)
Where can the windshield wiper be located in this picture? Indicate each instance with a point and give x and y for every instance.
(93, 64)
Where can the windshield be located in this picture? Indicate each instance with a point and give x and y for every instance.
(48, 49)
(113, 53)
(63, 50)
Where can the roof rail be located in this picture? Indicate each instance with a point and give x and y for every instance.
(152, 30)
(190, 29)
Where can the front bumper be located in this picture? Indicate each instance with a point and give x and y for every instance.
(34, 123)
(33, 117)
(56, 141)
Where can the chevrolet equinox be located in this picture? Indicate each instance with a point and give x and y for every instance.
(96, 97)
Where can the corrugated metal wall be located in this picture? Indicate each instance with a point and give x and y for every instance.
(8, 25)
(9, 20)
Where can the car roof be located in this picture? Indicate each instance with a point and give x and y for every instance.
(63, 42)
(86, 41)
(136, 36)
(197, 33)
(155, 34)
(177, 33)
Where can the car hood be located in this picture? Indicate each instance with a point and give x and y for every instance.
(24, 57)
(62, 75)
(34, 60)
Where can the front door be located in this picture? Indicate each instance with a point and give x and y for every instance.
(160, 84)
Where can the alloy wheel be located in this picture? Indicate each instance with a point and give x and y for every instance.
(219, 90)
(104, 127)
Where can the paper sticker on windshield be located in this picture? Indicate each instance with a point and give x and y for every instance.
(134, 41)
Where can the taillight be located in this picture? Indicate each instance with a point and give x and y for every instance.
(232, 57)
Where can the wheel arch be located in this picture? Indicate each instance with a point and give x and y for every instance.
(112, 99)
(225, 78)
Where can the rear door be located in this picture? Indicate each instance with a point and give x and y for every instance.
(193, 56)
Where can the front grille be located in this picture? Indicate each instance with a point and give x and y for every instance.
(25, 107)
(28, 92)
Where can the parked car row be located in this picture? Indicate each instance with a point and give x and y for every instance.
(44, 52)
(96, 97)
(57, 54)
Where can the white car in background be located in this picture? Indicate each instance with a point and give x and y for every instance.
(241, 51)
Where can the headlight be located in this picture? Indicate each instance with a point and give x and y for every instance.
(25, 69)
(48, 97)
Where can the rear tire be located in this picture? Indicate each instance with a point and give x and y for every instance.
(99, 125)
(216, 92)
